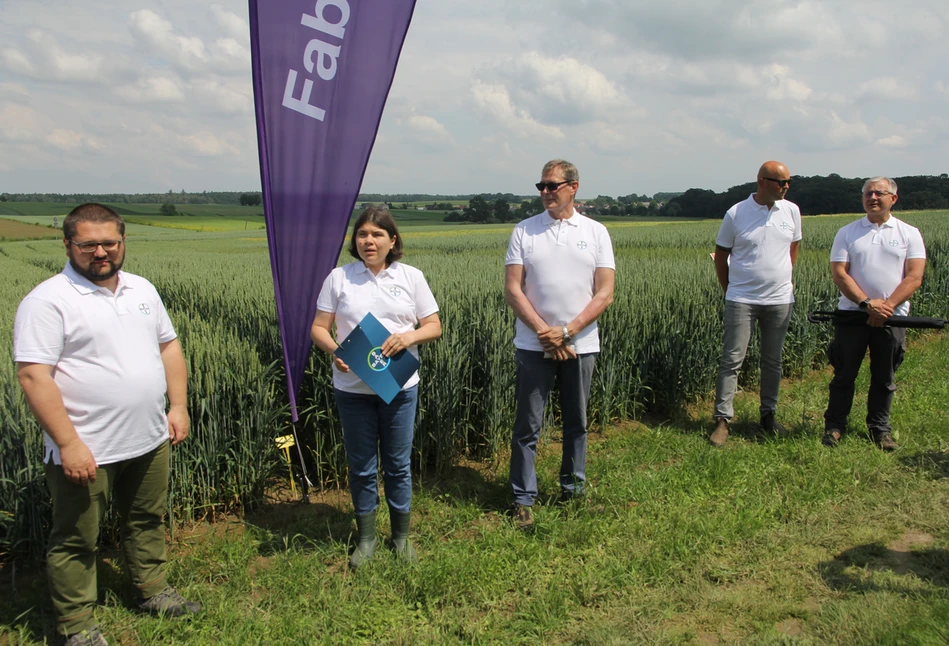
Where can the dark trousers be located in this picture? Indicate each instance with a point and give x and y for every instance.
(534, 380)
(887, 346)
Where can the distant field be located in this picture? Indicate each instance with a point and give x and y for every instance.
(13, 230)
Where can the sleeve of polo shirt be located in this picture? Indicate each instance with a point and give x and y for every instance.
(914, 244)
(726, 232)
(38, 333)
(425, 304)
(798, 230)
(604, 250)
(328, 300)
(515, 249)
(840, 251)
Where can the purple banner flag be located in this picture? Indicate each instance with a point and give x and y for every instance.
(322, 71)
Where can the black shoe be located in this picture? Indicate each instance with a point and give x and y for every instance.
(831, 437)
(169, 603)
(771, 425)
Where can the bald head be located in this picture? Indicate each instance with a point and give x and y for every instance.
(774, 179)
(773, 169)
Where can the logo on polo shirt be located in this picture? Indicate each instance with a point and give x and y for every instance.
(894, 243)
(377, 361)
(395, 291)
(787, 226)
(582, 244)
(144, 309)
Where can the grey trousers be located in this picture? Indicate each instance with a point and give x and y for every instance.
(773, 321)
(534, 381)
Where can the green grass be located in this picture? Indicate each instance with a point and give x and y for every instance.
(768, 541)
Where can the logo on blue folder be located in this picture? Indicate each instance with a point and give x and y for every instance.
(361, 350)
(377, 360)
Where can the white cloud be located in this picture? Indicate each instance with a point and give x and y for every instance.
(495, 101)
(559, 90)
(233, 25)
(154, 89)
(70, 140)
(887, 89)
(186, 53)
(893, 141)
(207, 144)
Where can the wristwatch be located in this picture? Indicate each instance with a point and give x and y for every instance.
(566, 335)
(864, 304)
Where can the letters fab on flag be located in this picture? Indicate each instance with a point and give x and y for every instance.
(322, 71)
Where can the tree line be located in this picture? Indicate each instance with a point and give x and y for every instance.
(815, 195)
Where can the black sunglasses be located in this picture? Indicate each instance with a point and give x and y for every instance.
(780, 182)
(550, 186)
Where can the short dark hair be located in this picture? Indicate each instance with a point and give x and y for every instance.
(382, 218)
(90, 212)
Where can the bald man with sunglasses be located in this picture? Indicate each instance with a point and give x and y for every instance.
(755, 252)
(559, 279)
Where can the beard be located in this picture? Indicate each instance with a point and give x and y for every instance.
(101, 274)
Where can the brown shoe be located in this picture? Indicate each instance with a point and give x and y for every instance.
(523, 517)
(720, 434)
(885, 442)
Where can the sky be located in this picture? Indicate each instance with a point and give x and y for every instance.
(643, 96)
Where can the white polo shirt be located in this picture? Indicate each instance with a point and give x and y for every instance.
(560, 258)
(398, 296)
(877, 257)
(105, 356)
(759, 269)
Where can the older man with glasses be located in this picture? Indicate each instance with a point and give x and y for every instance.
(877, 262)
(559, 279)
(95, 354)
(755, 252)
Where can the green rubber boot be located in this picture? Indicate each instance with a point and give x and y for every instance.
(366, 545)
(404, 549)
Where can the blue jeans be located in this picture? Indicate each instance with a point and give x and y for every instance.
(773, 321)
(534, 381)
(372, 428)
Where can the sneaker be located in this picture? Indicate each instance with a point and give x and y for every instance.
(720, 434)
(523, 517)
(831, 437)
(771, 425)
(885, 441)
(169, 604)
(90, 637)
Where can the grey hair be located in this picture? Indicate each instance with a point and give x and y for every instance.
(874, 180)
(569, 171)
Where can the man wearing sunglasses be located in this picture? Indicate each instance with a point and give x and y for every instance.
(96, 354)
(877, 263)
(755, 252)
(559, 279)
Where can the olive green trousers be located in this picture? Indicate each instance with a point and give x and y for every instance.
(140, 488)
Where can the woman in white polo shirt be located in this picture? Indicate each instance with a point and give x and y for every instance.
(398, 296)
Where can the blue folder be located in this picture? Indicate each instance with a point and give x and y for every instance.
(362, 352)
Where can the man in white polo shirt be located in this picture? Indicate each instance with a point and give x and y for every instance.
(755, 252)
(95, 355)
(877, 263)
(559, 279)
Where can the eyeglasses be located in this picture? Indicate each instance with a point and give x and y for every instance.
(90, 247)
(550, 186)
(876, 193)
(780, 182)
